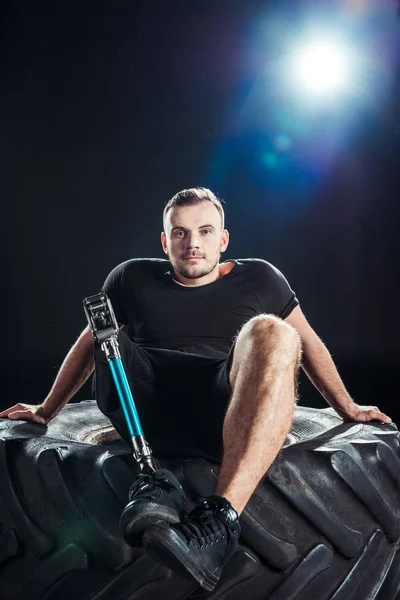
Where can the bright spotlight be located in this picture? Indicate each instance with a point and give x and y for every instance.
(323, 67)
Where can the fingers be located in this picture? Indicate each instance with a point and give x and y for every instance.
(24, 412)
(384, 418)
(373, 414)
(6, 412)
(18, 414)
(26, 415)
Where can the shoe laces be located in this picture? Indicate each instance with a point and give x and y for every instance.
(149, 484)
(202, 525)
(142, 481)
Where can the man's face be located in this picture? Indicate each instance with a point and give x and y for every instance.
(194, 239)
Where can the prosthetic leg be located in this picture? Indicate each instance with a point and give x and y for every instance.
(104, 328)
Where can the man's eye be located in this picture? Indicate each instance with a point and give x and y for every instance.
(179, 233)
(206, 231)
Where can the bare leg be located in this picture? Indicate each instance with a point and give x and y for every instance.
(259, 416)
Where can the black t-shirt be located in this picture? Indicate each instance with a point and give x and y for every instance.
(160, 313)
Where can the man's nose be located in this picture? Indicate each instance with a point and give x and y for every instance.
(193, 240)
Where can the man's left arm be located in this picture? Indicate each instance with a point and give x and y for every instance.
(321, 370)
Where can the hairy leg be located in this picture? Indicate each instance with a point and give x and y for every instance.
(264, 380)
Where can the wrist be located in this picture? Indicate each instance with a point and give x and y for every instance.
(47, 408)
(346, 409)
(344, 404)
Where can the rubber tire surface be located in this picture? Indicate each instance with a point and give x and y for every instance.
(323, 524)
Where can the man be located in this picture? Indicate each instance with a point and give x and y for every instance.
(212, 352)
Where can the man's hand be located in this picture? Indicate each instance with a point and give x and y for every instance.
(27, 412)
(363, 414)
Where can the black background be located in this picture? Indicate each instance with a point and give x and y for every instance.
(109, 108)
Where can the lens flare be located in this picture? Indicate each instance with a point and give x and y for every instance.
(323, 67)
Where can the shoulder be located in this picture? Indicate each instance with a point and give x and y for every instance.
(271, 286)
(133, 266)
(259, 268)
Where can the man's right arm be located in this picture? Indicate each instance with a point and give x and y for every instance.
(75, 370)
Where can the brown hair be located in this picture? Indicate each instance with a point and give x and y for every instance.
(193, 196)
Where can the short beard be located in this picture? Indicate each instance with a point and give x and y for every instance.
(196, 273)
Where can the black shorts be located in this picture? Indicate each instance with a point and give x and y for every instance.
(181, 398)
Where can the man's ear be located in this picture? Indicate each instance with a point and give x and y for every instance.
(224, 240)
(164, 242)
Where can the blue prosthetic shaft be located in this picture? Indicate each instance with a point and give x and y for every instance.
(104, 328)
(126, 398)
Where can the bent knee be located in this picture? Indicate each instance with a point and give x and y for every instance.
(269, 329)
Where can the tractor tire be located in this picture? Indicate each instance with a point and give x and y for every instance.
(322, 525)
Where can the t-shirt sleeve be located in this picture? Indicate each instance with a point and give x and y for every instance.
(113, 288)
(277, 297)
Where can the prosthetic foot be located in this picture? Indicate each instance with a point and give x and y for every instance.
(154, 499)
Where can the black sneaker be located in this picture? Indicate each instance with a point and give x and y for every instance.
(154, 499)
(201, 545)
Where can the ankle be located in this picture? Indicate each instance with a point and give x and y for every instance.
(224, 510)
(237, 501)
